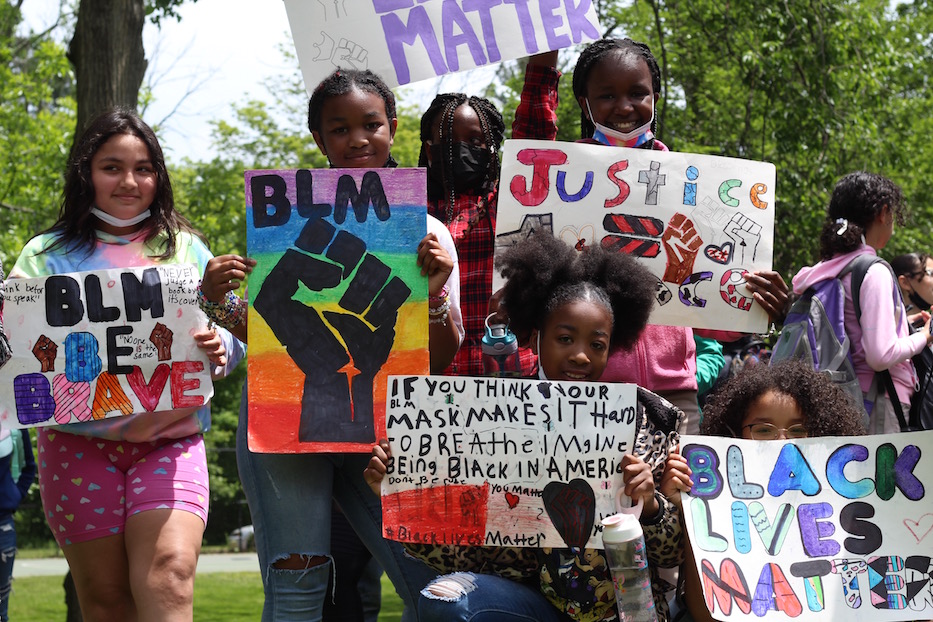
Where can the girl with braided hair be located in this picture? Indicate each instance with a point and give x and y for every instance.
(460, 138)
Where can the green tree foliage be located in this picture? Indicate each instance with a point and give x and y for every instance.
(36, 122)
(817, 88)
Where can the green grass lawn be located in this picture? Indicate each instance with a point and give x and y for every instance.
(218, 597)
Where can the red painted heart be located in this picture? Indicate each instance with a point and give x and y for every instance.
(720, 254)
(511, 499)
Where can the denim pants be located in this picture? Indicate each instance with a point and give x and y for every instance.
(487, 598)
(7, 554)
(290, 499)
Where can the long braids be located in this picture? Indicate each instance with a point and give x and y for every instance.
(595, 52)
(441, 111)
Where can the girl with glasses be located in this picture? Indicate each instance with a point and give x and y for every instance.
(914, 273)
(785, 402)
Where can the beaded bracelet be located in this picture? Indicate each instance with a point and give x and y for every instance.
(438, 314)
(440, 297)
(228, 313)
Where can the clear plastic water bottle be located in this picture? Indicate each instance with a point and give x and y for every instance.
(500, 351)
(625, 553)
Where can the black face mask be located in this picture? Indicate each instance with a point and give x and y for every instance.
(469, 167)
(918, 301)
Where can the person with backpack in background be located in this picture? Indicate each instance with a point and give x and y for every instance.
(860, 222)
(914, 272)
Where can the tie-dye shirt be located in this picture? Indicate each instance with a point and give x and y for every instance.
(112, 251)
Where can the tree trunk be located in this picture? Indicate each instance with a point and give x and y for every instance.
(108, 56)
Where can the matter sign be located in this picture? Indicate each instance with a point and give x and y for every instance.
(406, 40)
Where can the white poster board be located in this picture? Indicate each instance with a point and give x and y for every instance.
(698, 222)
(102, 343)
(814, 529)
(494, 461)
(405, 41)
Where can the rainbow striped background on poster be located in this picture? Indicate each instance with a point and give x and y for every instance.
(275, 383)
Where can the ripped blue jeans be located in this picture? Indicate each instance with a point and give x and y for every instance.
(290, 499)
(7, 554)
(471, 597)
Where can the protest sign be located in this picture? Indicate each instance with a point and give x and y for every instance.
(337, 302)
(102, 343)
(405, 41)
(813, 529)
(698, 222)
(496, 461)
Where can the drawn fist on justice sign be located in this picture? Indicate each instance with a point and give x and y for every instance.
(681, 244)
(340, 352)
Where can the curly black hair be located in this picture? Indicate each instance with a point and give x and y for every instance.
(858, 198)
(594, 53)
(441, 114)
(341, 82)
(76, 226)
(544, 273)
(827, 409)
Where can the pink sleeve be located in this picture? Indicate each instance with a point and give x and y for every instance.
(885, 341)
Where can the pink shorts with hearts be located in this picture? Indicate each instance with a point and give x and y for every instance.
(89, 486)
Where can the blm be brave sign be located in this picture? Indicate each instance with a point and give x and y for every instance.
(102, 343)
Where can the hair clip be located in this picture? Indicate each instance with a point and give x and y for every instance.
(843, 225)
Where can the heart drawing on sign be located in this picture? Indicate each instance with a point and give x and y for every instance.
(511, 499)
(572, 509)
(720, 254)
(920, 528)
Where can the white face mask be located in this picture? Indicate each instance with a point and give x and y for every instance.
(608, 136)
(110, 219)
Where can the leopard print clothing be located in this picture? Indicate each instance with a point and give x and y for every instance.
(578, 582)
(516, 564)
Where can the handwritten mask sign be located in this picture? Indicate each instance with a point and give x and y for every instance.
(814, 529)
(103, 343)
(698, 222)
(405, 41)
(492, 461)
(337, 302)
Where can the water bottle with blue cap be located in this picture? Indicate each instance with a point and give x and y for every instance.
(500, 351)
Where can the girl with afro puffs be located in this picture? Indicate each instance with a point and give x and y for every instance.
(577, 307)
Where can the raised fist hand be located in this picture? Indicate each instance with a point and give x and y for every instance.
(45, 351)
(681, 244)
(162, 337)
(340, 352)
(746, 233)
(349, 53)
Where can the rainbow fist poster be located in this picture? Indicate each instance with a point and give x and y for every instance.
(337, 303)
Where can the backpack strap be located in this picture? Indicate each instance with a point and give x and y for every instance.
(859, 269)
(888, 384)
